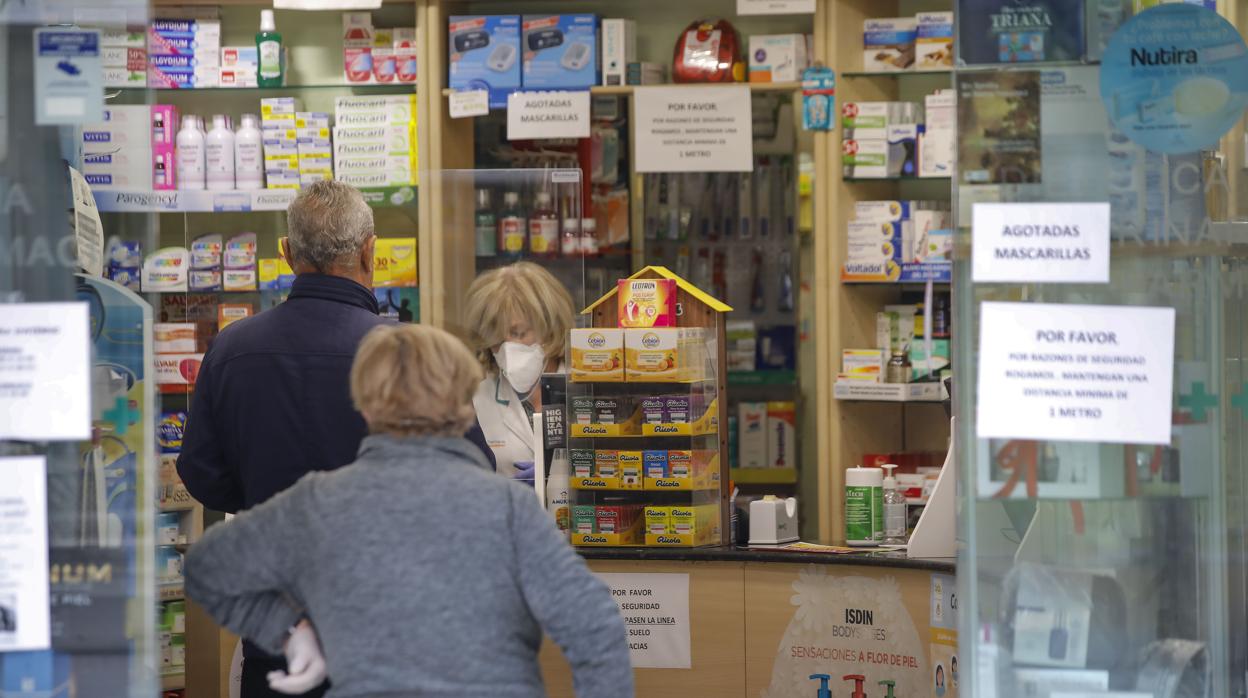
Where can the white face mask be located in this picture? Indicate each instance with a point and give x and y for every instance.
(521, 365)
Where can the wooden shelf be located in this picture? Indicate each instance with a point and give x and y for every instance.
(764, 476)
(629, 89)
(172, 682)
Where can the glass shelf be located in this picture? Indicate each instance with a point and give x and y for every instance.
(229, 201)
(893, 74)
(629, 89)
(359, 88)
(903, 178)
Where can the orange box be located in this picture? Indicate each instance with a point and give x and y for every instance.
(232, 312)
(647, 302)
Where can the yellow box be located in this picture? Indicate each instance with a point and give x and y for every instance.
(658, 520)
(652, 354)
(598, 355)
(606, 463)
(684, 520)
(395, 263)
(630, 463)
(646, 302)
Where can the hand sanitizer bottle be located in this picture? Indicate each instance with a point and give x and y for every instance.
(219, 154)
(894, 510)
(190, 155)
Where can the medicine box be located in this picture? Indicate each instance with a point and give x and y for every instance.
(240, 57)
(865, 158)
(597, 355)
(630, 468)
(862, 362)
(646, 302)
(560, 51)
(655, 464)
(652, 410)
(933, 47)
(870, 120)
(777, 57)
(174, 337)
(938, 147)
(781, 434)
(658, 520)
(582, 461)
(619, 48)
(485, 54)
(584, 518)
(654, 355)
(606, 463)
(888, 44)
(752, 435)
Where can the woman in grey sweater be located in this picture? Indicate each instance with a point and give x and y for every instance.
(422, 572)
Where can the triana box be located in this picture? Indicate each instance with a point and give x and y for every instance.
(888, 44)
(560, 51)
(752, 435)
(597, 355)
(777, 57)
(484, 53)
(933, 43)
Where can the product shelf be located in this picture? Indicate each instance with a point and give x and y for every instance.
(763, 476)
(903, 178)
(616, 483)
(793, 86)
(171, 591)
(764, 377)
(230, 201)
(173, 682)
(894, 73)
(357, 87)
(866, 391)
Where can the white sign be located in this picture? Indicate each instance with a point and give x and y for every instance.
(88, 231)
(44, 367)
(25, 622)
(655, 608)
(775, 7)
(1046, 243)
(69, 76)
(1061, 372)
(543, 115)
(470, 103)
(708, 129)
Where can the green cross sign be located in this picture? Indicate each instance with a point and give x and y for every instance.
(122, 416)
(1198, 401)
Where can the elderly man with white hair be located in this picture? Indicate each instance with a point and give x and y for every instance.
(272, 401)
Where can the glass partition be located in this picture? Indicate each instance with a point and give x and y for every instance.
(1105, 563)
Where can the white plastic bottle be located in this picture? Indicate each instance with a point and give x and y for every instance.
(219, 154)
(557, 488)
(894, 509)
(190, 157)
(248, 154)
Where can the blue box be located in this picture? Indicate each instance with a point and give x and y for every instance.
(484, 53)
(560, 52)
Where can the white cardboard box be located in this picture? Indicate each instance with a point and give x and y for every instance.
(752, 435)
(619, 48)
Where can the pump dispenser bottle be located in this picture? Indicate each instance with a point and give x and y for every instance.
(823, 679)
(894, 509)
(858, 680)
(190, 155)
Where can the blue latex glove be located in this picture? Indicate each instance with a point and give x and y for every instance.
(525, 472)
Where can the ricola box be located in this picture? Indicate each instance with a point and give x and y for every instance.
(484, 54)
(560, 52)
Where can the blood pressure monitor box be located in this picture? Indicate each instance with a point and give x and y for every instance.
(560, 52)
(485, 55)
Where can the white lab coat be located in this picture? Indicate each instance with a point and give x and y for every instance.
(504, 421)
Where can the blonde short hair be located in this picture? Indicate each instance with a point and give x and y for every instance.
(414, 380)
(521, 291)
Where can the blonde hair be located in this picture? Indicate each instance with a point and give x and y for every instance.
(521, 291)
(414, 380)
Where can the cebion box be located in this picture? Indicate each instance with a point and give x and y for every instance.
(597, 355)
(777, 57)
(619, 48)
(658, 520)
(888, 44)
(781, 434)
(560, 51)
(485, 54)
(646, 302)
(582, 461)
(933, 43)
(653, 354)
(752, 434)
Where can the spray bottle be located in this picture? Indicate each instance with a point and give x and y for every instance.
(889, 684)
(858, 680)
(823, 679)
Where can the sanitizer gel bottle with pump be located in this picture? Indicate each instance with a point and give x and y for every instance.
(190, 155)
(894, 510)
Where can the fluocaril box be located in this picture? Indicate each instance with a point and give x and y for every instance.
(597, 355)
(647, 302)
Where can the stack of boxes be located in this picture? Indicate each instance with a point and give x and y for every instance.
(239, 66)
(117, 152)
(938, 145)
(500, 53)
(184, 53)
(779, 57)
(766, 434)
(123, 53)
(880, 139)
(281, 142)
(316, 152)
(374, 143)
(377, 55)
(885, 237)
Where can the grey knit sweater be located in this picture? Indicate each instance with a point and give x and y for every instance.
(424, 574)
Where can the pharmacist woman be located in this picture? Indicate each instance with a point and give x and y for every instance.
(518, 319)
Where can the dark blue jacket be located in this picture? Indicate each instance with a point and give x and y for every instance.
(272, 401)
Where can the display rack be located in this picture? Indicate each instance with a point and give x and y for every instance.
(647, 453)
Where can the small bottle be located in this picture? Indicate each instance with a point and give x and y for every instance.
(894, 509)
(219, 154)
(899, 368)
(511, 226)
(543, 227)
(571, 238)
(190, 155)
(248, 154)
(486, 225)
(160, 173)
(786, 302)
(589, 237)
(158, 127)
(269, 52)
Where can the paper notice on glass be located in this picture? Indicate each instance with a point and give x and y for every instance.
(545, 115)
(655, 608)
(88, 232)
(468, 103)
(775, 7)
(1045, 243)
(25, 622)
(44, 372)
(69, 76)
(708, 129)
(1064, 372)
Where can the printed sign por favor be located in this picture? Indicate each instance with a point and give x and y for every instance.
(709, 129)
(655, 608)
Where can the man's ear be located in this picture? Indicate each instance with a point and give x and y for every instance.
(284, 244)
(368, 256)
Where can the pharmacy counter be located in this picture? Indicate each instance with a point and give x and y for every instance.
(727, 621)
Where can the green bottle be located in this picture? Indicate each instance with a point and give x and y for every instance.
(269, 52)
